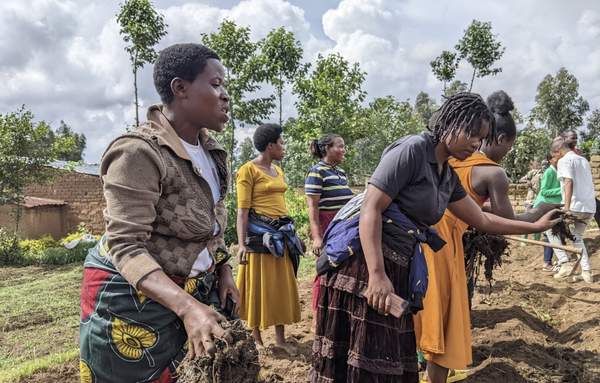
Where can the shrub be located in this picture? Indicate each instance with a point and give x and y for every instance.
(63, 256)
(10, 252)
(43, 251)
(298, 210)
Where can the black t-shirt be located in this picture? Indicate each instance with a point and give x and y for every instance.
(407, 172)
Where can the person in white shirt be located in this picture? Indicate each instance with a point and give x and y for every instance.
(577, 188)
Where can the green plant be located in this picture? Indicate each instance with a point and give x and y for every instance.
(9, 247)
(298, 210)
(63, 256)
(230, 235)
(81, 231)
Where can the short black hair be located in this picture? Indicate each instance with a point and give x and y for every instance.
(463, 110)
(500, 105)
(266, 134)
(185, 61)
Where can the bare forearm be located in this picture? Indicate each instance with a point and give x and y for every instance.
(494, 224)
(160, 288)
(315, 224)
(468, 211)
(242, 225)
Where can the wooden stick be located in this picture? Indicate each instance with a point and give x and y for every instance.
(570, 249)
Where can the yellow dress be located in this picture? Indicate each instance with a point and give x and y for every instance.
(267, 284)
(443, 327)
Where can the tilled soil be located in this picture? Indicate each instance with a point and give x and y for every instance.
(529, 328)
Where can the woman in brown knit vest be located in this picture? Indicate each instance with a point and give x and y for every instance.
(149, 284)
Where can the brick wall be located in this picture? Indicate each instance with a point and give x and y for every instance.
(81, 192)
(595, 162)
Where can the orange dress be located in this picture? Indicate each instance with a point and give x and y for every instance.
(443, 327)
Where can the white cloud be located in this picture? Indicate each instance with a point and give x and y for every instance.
(64, 59)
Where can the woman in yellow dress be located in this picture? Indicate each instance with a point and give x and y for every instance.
(267, 282)
(443, 327)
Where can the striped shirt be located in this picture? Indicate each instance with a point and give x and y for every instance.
(330, 183)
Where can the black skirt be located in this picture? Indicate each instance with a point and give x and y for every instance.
(353, 343)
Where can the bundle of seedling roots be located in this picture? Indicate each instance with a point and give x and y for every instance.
(487, 250)
(236, 360)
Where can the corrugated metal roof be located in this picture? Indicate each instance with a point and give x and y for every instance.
(90, 169)
(30, 202)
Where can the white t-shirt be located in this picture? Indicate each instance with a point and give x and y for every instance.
(203, 161)
(578, 169)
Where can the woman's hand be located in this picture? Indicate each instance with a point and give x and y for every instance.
(549, 219)
(378, 293)
(243, 255)
(227, 287)
(317, 245)
(202, 325)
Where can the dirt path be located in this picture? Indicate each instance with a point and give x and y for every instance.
(531, 328)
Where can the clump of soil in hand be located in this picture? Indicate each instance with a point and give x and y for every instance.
(236, 360)
(482, 249)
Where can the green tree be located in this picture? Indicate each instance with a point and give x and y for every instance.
(593, 126)
(246, 152)
(282, 54)
(455, 87)
(558, 103)
(480, 48)
(68, 145)
(244, 72)
(142, 28)
(424, 107)
(531, 144)
(444, 67)
(329, 99)
(386, 119)
(297, 155)
(24, 155)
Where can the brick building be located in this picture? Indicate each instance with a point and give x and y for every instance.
(72, 196)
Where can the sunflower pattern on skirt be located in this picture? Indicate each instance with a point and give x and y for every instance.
(126, 336)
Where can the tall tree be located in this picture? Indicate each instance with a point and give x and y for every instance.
(531, 144)
(246, 152)
(424, 107)
(282, 54)
(24, 156)
(480, 48)
(444, 67)
(244, 72)
(386, 119)
(593, 126)
(142, 27)
(455, 87)
(558, 103)
(67, 144)
(329, 98)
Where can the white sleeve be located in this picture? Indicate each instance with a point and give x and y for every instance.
(565, 168)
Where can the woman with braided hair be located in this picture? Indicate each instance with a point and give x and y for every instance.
(356, 340)
(443, 328)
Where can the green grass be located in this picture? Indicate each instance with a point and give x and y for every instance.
(39, 318)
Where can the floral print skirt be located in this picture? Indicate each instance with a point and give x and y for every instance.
(124, 335)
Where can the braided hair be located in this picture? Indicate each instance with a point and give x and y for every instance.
(318, 148)
(462, 111)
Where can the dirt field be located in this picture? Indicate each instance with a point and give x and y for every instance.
(529, 329)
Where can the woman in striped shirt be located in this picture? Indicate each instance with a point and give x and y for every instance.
(327, 191)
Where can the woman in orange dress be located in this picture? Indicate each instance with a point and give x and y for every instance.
(443, 327)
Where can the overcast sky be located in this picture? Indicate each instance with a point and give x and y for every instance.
(65, 60)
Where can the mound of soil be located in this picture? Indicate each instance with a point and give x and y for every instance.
(236, 360)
